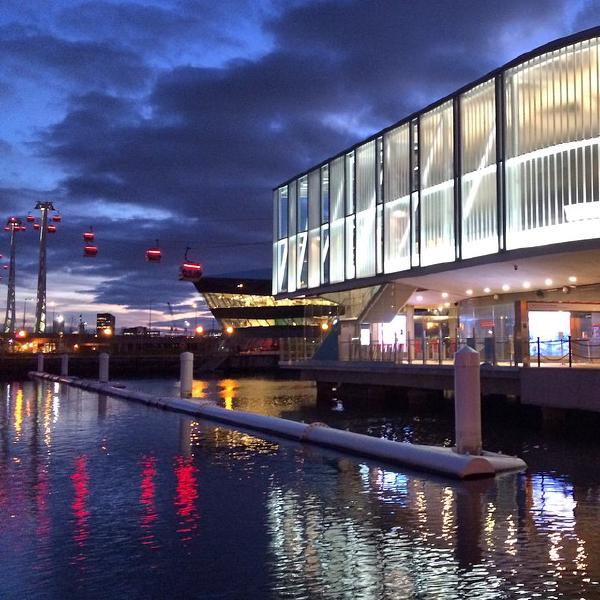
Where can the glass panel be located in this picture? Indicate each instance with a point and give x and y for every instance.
(337, 251)
(292, 207)
(350, 267)
(282, 212)
(325, 194)
(365, 210)
(379, 172)
(349, 167)
(302, 255)
(325, 254)
(396, 192)
(282, 265)
(478, 160)
(314, 261)
(436, 146)
(303, 203)
(314, 199)
(379, 238)
(292, 262)
(337, 188)
(552, 185)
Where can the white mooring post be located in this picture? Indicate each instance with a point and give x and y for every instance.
(103, 367)
(40, 363)
(64, 365)
(186, 374)
(467, 401)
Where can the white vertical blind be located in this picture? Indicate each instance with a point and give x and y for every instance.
(397, 199)
(292, 262)
(336, 185)
(314, 258)
(552, 106)
(365, 210)
(478, 162)
(436, 147)
(314, 199)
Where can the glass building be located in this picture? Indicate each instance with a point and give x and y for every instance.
(507, 163)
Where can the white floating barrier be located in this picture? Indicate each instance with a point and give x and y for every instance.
(430, 458)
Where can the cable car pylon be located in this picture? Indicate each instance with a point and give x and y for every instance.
(40, 309)
(13, 225)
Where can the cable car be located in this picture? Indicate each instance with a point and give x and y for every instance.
(51, 228)
(154, 254)
(21, 228)
(30, 218)
(90, 250)
(36, 226)
(88, 236)
(5, 267)
(190, 269)
(6, 228)
(0, 255)
(57, 218)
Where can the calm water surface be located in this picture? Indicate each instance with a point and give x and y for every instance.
(102, 498)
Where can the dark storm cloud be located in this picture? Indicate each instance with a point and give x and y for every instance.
(29, 53)
(204, 146)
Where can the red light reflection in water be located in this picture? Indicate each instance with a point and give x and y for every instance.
(186, 496)
(80, 481)
(147, 500)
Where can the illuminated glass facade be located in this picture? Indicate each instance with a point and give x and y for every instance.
(509, 162)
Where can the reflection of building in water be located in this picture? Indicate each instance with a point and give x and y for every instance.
(377, 533)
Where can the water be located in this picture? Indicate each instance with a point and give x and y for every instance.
(102, 498)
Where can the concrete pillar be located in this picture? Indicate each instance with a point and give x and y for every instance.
(40, 363)
(64, 365)
(410, 331)
(467, 401)
(186, 374)
(103, 367)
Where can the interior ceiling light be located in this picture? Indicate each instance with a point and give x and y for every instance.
(446, 304)
(506, 287)
(548, 281)
(419, 298)
(486, 290)
(444, 294)
(469, 292)
(572, 279)
(526, 285)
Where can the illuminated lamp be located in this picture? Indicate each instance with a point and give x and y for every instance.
(107, 331)
(325, 326)
(21, 334)
(229, 330)
(199, 330)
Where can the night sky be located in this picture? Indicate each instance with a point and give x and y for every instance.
(173, 120)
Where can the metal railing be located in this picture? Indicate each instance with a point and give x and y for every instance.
(567, 351)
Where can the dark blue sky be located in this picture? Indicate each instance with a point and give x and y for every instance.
(174, 119)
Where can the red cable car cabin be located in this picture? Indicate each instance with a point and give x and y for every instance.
(89, 250)
(51, 228)
(36, 226)
(191, 269)
(88, 236)
(56, 218)
(30, 218)
(154, 254)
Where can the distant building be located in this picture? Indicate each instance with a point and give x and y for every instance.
(105, 324)
(139, 330)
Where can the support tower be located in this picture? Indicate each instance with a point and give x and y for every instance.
(13, 225)
(40, 309)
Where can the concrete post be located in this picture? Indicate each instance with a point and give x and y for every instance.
(186, 374)
(64, 365)
(467, 401)
(40, 363)
(103, 367)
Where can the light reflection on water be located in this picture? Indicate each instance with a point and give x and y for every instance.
(103, 498)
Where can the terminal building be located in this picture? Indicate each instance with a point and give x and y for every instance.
(474, 220)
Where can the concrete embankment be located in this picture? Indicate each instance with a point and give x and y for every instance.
(429, 458)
